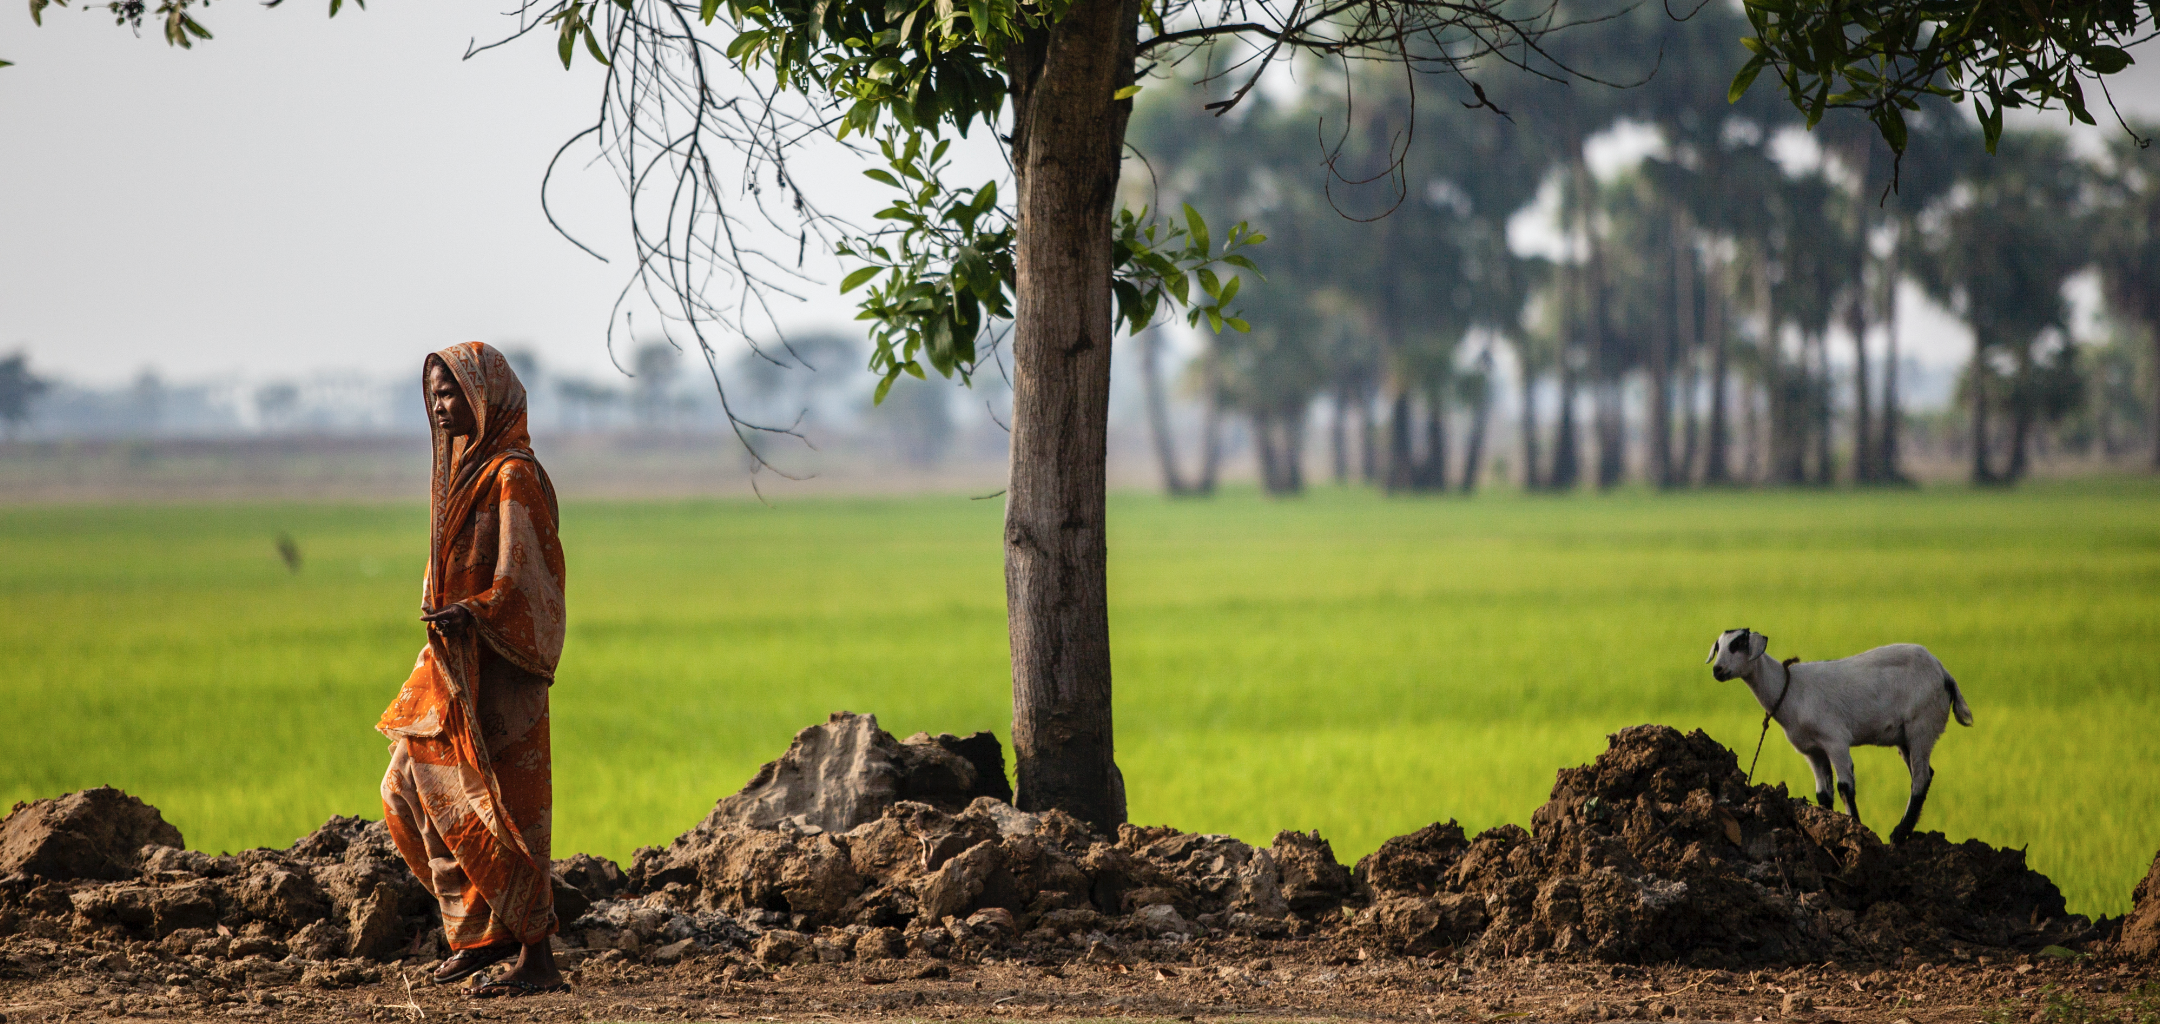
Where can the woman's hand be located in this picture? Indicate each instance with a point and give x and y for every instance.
(450, 616)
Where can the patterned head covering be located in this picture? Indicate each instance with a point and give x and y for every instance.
(497, 399)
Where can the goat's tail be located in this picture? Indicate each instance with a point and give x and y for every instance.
(1957, 700)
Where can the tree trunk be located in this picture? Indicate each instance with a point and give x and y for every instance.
(1158, 411)
(1863, 422)
(1368, 445)
(1819, 405)
(1717, 464)
(2021, 417)
(1527, 383)
(1339, 436)
(1605, 380)
(1566, 462)
(1982, 474)
(1663, 343)
(1293, 450)
(1401, 470)
(1210, 420)
(1264, 453)
(1067, 141)
(2155, 331)
(1886, 458)
(1687, 343)
(1480, 415)
(1432, 475)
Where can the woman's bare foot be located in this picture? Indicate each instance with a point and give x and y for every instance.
(535, 971)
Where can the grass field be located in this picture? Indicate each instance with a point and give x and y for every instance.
(1342, 662)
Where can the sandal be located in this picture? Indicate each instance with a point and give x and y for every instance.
(511, 987)
(467, 962)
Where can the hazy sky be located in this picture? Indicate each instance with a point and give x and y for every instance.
(302, 195)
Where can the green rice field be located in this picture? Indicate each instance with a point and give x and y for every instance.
(1344, 661)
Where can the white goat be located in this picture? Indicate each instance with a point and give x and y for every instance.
(1895, 696)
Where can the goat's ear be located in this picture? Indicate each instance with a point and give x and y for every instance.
(1713, 653)
(1757, 644)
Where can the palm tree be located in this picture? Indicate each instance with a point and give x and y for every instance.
(2000, 259)
(2129, 245)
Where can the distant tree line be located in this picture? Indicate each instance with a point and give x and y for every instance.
(1685, 333)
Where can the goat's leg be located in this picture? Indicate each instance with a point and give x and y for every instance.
(1820, 762)
(1916, 751)
(1847, 785)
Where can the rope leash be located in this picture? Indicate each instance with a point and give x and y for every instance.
(1767, 715)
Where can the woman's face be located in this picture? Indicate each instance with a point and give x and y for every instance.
(446, 402)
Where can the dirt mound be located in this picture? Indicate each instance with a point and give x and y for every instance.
(985, 877)
(2141, 929)
(1660, 851)
(95, 833)
(846, 771)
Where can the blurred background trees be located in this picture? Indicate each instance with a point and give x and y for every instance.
(1718, 306)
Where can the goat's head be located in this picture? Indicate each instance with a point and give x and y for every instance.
(1734, 652)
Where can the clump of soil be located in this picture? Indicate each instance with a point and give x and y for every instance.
(95, 833)
(2141, 929)
(1659, 851)
(846, 771)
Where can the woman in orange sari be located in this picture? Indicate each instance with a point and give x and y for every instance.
(469, 796)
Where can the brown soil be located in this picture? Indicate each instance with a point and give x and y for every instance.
(1203, 978)
(859, 876)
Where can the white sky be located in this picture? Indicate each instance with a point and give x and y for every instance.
(302, 194)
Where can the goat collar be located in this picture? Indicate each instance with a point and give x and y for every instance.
(1786, 667)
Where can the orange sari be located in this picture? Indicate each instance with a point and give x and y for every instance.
(469, 796)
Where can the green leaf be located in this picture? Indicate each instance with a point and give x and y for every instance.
(1892, 124)
(592, 46)
(2107, 59)
(1214, 318)
(1210, 284)
(886, 68)
(882, 387)
(708, 10)
(861, 274)
(880, 176)
(1198, 227)
(1745, 78)
(6, 63)
(1241, 326)
(1126, 93)
(1229, 292)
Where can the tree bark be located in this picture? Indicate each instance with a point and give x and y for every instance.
(1067, 141)
(1158, 411)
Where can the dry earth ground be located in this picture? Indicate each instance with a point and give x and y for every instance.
(1205, 979)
